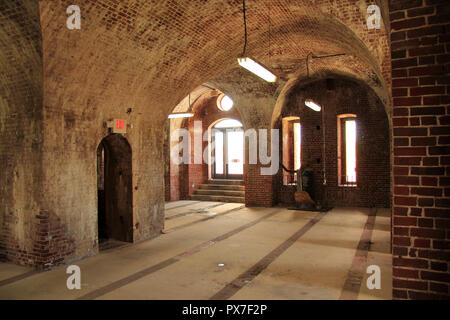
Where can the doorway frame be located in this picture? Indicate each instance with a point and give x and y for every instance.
(118, 153)
(226, 175)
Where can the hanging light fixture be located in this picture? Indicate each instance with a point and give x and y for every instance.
(257, 69)
(313, 105)
(250, 64)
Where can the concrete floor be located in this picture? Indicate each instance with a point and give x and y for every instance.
(267, 253)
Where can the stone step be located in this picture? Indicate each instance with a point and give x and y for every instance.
(222, 187)
(219, 192)
(220, 198)
(226, 182)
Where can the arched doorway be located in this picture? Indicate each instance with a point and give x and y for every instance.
(115, 193)
(228, 151)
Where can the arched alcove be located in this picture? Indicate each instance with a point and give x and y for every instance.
(323, 140)
(185, 178)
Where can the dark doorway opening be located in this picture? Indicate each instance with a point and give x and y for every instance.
(115, 190)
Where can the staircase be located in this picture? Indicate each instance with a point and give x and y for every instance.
(221, 191)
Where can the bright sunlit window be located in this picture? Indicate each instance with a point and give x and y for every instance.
(224, 103)
(292, 148)
(347, 135)
(297, 145)
(228, 123)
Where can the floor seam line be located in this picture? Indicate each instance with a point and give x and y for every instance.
(246, 277)
(165, 263)
(352, 284)
(18, 277)
(203, 219)
(187, 213)
(183, 205)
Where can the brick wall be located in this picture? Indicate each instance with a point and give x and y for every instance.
(338, 96)
(259, 189)
(421, 92)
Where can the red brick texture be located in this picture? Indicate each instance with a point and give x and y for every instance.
(50, 243)
(259, 189)
(420, 51)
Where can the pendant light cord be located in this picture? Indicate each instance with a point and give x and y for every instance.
(245, 30)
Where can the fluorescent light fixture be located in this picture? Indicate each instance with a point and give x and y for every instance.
(180, 115)
(313, 105)
(257, 69)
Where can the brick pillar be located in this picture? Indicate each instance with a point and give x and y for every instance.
(259, 188)
(421, 206)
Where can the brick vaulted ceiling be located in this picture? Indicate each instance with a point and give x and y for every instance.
(152, 53)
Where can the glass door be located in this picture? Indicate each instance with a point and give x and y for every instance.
(228, 152)
(235, 153)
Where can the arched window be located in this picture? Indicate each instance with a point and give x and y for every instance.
(292, 145)
(224, 103)
(228, 150)
(228, 123)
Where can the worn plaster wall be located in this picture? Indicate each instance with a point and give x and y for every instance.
(21, 230)
(79, 99)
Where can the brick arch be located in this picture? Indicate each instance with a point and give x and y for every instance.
(344, 96)
(197, 101)
(189, 35)
(183, 179)
(321, 74)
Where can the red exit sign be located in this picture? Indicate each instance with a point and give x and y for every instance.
(120, 126)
